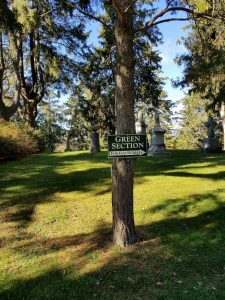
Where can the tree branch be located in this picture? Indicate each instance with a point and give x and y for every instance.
(171, 19)
(80, 11)
(32, 60)
(94, 18)
(169, 3)
(166, 10)
(121, 13)
(131, 6)
(2, 61)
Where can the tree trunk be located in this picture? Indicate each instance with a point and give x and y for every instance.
(222, 114)
(123, 169)
(30, 111)
(68, 139)
(6, 112)
(32, 89)
(94, 142)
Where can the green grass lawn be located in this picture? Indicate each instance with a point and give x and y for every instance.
(55, 229)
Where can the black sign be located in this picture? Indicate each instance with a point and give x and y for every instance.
(127, 145)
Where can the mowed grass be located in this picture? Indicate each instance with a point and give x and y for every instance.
(55, 229)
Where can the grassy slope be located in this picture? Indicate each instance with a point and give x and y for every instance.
(55, 229)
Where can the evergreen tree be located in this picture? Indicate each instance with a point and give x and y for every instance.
(124, 232)
(76, 121)
(126, 26)
(46, 44)
(193, 130)
(205, 61)
(50, 121)
(96, 79)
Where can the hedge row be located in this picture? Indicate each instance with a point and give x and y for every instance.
(17, 140)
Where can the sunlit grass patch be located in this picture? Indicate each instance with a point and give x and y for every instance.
(55, 233)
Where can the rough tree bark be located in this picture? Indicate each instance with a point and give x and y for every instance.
(94, 142)
(123, 169)
(7, 111)
(94, 139)
(32, 89)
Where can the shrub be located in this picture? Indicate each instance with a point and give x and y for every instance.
(36, 135)
(17, 140)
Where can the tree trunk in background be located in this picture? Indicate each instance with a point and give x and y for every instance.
(94, 142)
(33, 86)
(222, 114)
(123, 169)
(30, 111)
(6, 112)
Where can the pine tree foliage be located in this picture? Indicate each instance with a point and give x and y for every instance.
(205, 61)
(77, 126)
(95, 91)
(47, 44)
(193, 130)
(50, 122)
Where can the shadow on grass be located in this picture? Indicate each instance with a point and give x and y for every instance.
(39, 188)
(36, 179)
(33, 180)
(175, 206)
(212, 176)
(85, 244)
(182, 159)
(178, 258)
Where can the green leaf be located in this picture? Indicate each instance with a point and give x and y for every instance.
(201, 5)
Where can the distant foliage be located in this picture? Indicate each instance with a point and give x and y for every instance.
(18, 140)
(50, 123)
(193, 130)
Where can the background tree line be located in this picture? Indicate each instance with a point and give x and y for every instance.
(45, 55)
(204, 65)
